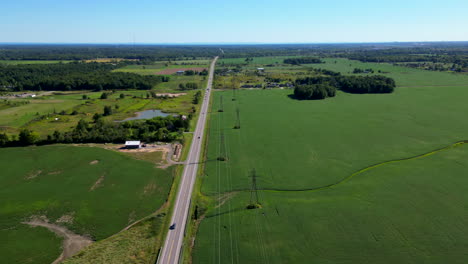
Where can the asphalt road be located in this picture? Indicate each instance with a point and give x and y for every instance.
(170, 252)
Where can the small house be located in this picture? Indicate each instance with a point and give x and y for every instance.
(261, 69)
(180, 72)
(132, 144)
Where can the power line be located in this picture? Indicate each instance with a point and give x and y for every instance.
(254, 202)
(237, 125)
(221, 108)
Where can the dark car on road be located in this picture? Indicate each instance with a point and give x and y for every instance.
(172, 227)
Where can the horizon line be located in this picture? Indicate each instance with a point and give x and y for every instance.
(226, 43)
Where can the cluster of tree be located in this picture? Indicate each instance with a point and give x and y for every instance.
(73, 76)
(304, 60)
(165, 129)
(314, 91)
(188, 86)
(352, 84)
(192, 72)
(197, 97)
(357, 70)
(366, 84)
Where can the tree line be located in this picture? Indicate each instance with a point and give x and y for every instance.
(165, 129)
(303, 60)
(73, 76)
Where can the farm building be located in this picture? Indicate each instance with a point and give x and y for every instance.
(132, 144)
(260, 69)
(180, 72)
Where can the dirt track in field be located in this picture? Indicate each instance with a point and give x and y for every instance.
(72, 242)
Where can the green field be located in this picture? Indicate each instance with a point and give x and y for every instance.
(34, 114)
(159, 66)
(102, 190)
(407, 212)
(318, 204)
(256, 60)
(404, 76)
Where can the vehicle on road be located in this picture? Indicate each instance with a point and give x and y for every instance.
(172, 227)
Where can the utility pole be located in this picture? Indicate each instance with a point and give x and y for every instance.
(254, 203)
(222, 151)
(237, 125)
(221, 108)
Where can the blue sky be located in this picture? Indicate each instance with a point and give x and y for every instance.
(210, 21)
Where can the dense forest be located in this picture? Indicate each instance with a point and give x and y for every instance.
(322, 87)
(165, 129)
(73, 76)
(375, 52)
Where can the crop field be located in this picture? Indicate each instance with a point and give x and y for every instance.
(322, 199)
(408, 212)
(98, 191)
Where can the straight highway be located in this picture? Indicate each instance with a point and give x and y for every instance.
(171, 250)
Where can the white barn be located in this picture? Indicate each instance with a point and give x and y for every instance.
(132, 144)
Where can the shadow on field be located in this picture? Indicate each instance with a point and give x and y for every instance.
(292, 96)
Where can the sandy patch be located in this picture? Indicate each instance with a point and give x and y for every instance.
(33, 175)
(72, 242)
(94, 162)
(98, 183)
(54, 172)
(67, 218)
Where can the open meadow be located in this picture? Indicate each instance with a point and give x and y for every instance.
(92, 191)
(61, 111)
(357, 178)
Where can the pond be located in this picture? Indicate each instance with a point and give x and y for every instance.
(147, 114)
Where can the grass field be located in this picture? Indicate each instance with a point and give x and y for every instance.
(404, 76)
(255, 61)
(103, 191)
(12, 119)
(159, 66)
(409, 212)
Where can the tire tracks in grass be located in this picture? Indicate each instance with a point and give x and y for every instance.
(368, 168)
(332, 185)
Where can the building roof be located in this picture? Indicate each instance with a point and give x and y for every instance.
(132, 143)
